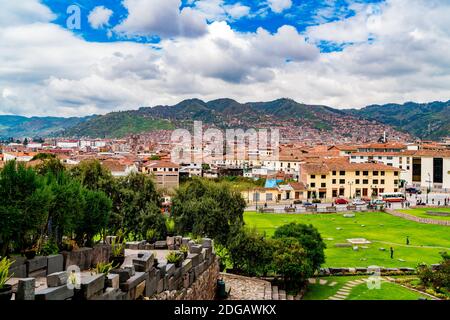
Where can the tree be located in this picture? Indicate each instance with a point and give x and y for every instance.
(94, 176)
(50, 165)
(94, 216)
(209, 209)
(308, 237)
(290, 260)
(250, 252)
(137, 205)
(24, 203)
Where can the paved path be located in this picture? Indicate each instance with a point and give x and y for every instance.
(343, 292)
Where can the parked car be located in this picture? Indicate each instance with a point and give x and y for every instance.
(359, 202)
(298, 202)
(307, 204)
(413, 190)
(341, 201)
(378, 202)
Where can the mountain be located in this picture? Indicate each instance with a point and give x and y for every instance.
(222, 113)
(429, 120)
(423, 120)
(19, 127)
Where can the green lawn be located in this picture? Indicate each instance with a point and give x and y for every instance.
(422, 213)
(387, 291)
(383, 230)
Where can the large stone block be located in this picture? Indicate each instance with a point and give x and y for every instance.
(109, 294)
(207, 243)
(132, 282)
(124, 274)
(101, 253)
(195, 258)
(112, 281)
(91, 285)
(58, 293)
(196, 248)
(170, 269)
(144, 263)
(57, 279)
(20, 271)
(18, 261)
(151, 286)
(185, 241)
(55, 263)
(162, 268)
(25, 289)
(37, 263)
(41, 273)
(81, 257)
(140, 290)
(160, 245)
(160, 287)
(186, 266)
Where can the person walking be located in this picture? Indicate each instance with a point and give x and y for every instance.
(407, 240)
(392, 253)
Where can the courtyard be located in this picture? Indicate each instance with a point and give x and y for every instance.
(382, 230)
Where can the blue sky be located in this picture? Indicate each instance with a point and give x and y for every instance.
(132, 53)
(300, 14)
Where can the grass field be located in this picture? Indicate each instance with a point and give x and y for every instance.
(383, 230)
(387, 291)
(422, 213)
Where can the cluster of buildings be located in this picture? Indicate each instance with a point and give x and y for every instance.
(295, 172)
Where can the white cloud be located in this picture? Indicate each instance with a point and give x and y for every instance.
(23, 12)
(279, 6)
(45, 69)
(99, 17)
(217, 10)
(162, 18)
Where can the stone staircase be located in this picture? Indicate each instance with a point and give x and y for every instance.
(279, 294)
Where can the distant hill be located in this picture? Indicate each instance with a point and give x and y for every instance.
(19, 127)
(429, 121)
(423, 120)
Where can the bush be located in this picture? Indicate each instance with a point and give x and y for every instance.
(308, 237)
(250, 252)
(290, 260)
(5, 264)
(49, 248)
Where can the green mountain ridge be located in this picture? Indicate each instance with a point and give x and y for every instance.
(426, 120)
(423, 120)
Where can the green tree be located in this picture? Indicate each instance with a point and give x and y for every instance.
(308, 237)
(206, 208)
(24, 203)
(94, 216)
(250, 252)
(290, 261)
(50, 165)
(94, 176)
(136, 207)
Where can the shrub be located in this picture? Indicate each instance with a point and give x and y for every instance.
(49, 248)
(174, 257)
(103, 267)
(5, 264)
(250, 252)
(308, 237)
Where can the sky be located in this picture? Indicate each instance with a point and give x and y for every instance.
(75, 58)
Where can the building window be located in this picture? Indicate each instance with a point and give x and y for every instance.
(313, 176)
(365, 173)
(382, 173)
(353, 157)
(334, 173)
(357, 181)
(390, 158)
(382, 181)
(375, 173)
(395, 182)
(335, 193)
(396, 173)
(342, 173)
(341, 181)
(268, 197)
(313, 184)
(323, 185)
(323, 176)
(365, 181)
(361, 157)
(334, 181)
(438, 170)
(357, 173)
(375, 181)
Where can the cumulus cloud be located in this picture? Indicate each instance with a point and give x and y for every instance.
(217, 10)
(163, 18)
(23, 12)
(99, 17)
(279, 6)
(398, 55)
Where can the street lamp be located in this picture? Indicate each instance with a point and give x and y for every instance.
(429, 185)
(350, 183)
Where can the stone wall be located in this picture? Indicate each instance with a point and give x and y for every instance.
(203, 288)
